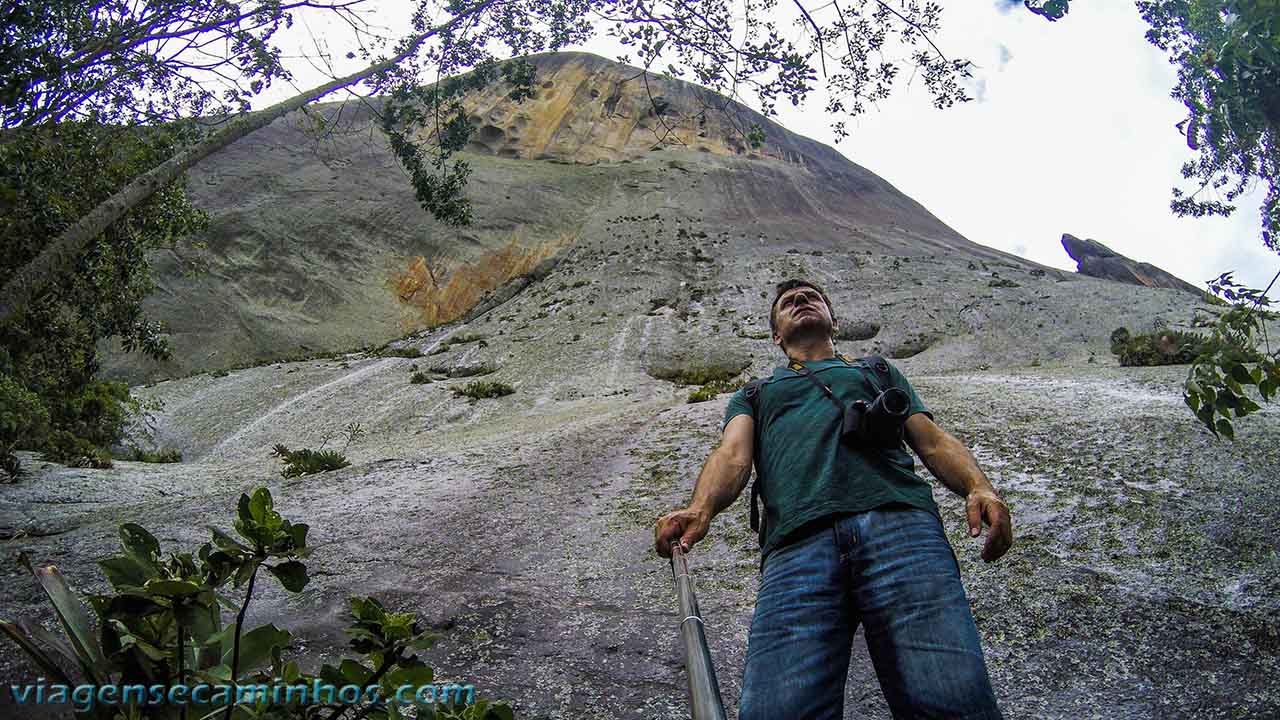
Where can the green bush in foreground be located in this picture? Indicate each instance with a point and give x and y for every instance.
(1172, 347)
(178, 619)
(481, 389)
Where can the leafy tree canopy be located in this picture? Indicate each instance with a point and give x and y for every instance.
(1228, 57)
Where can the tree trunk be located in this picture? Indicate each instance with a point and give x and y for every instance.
(60, 254)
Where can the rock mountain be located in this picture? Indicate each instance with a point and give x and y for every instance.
(627, 239)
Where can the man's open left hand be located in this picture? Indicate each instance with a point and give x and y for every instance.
(983, 507)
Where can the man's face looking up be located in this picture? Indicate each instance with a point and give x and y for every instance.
(801, 312)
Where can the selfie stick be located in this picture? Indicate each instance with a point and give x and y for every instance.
(704, 691)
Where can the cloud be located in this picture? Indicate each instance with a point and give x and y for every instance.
(1007, 6)
(1062, 142)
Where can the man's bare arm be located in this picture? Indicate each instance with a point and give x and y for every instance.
(722, 479)
(952, 463)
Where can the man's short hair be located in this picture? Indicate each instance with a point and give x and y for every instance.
(786, 285)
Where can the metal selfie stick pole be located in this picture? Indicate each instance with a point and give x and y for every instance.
(704, 691)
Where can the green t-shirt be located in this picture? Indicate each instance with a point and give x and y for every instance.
(803, 469)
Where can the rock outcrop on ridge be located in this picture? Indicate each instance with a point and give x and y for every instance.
(1144, 581)
(1097, 260)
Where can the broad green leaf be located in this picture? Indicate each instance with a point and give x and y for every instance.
(1247, 406)
(1234, 386)
(367, 609)
(123, 572)
(228, 543)
(243, 511)
(298, 533)
(419, 675)
(171, 588)
(132, 606)
(245, 571)
(1205, 415)
(1241, 374)
(256, 646)
(202, 620)
(1192, 401)
(139, 544)
(1224, 427)
(260, 505)
(75, 622)
(354, 672)
(331, 675)
(129, 639)
(40, 655)
(292, 575)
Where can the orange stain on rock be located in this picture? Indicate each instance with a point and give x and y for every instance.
(441, 294)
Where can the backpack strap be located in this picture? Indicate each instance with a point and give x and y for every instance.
(752, 392)
(800, 369)
(880, 366)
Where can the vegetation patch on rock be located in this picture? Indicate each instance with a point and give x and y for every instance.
(307, 461)
(1168, 347)
(482, 389)
(712, 389)
(163, 455)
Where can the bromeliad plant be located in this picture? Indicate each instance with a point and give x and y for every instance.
(306, 461)
(163, 626)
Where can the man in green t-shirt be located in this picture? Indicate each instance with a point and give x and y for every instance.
(850, 535)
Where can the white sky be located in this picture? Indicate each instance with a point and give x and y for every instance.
(1073, 131)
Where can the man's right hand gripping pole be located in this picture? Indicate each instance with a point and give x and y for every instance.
(687, 526)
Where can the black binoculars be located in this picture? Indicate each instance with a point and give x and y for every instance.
(878, 424)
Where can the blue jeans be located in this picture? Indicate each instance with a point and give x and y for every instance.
(892, 570)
